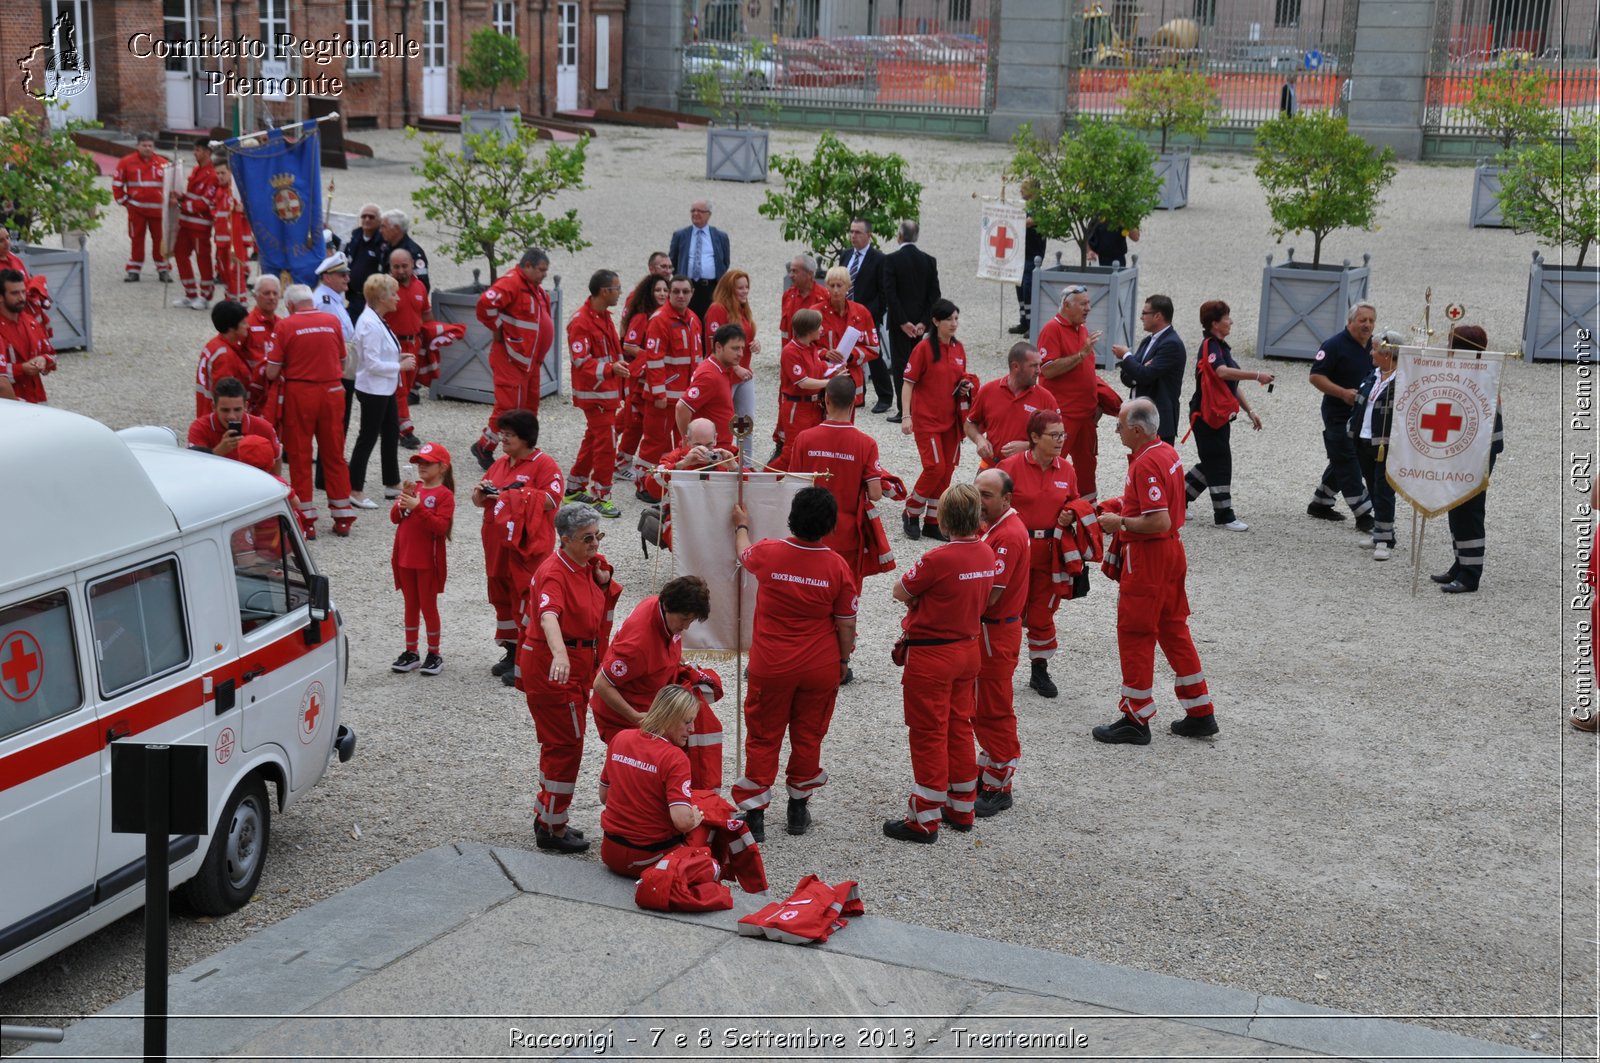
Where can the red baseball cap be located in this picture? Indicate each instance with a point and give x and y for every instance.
(256, 451)
(433, 452)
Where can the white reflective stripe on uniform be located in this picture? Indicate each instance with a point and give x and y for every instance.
(531, 326)
(547, 783)
(740, 843)
(1060, 577)
(760, 799)
(934, 441)
(554, 819)
(803, 790)
(983, 629)
(1470, 544)
(1141, 695)
(521, 359)
(928, 794)
(712, 739)
(1185, 680)
(597, 394)
(1146, 712)
(929, 815)
(1194, 703)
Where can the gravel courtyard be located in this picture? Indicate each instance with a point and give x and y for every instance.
(1394, 820)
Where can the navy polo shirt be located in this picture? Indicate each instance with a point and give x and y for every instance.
(1346, 363)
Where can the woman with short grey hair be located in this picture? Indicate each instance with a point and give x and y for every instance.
(573, 595)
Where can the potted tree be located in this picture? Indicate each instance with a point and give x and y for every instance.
(491, 60)
(1508, 104)
(1317, 176)
(66, 206)
(731, 81)
(1170, 101)
(1097, 173)
(1551, 190)
(822, 193)
(490, 206)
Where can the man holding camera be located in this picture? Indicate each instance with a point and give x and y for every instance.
(231, 431)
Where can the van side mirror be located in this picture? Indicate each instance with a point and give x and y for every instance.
(320, 600)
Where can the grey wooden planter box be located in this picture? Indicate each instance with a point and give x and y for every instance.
(67, 273)
(464, 365)
(503, 121)
(736, 154)
(1173, 169)
(1113, 301)
(1561, 300)
(1486, 197)
(1303, 304)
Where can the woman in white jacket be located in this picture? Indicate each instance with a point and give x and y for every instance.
(378, 364)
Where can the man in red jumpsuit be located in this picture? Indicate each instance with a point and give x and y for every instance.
(710, 391)
(994, 719)
(213, 433)
(517, 310)
(674, 344)
(193, 246)
(307, 352)
(260, 325)
(24, 347)
(1067, 370)
(1152, 605)
(997, 424)
(849, 457)
(413, 311)
(224, 354)
(232, 239)
(803, 293)
(599, 381)
(136, 184)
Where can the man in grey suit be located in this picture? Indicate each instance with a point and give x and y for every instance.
(865, 263)
(910, 288)
(701, 252)
(1155, 370)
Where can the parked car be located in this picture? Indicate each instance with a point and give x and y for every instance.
(756, 68)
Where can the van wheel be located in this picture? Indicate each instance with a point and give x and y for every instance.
(237, 854)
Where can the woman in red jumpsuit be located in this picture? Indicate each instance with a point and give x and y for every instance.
(937, 365)
(644, 785)
(648, 296)
(1044, 481)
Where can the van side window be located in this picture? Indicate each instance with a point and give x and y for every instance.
(269, 572)
(139, 627)
(38, 663)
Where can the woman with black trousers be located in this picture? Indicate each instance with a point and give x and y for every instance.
(378, 364)
(1214, 367)
(1370, 420)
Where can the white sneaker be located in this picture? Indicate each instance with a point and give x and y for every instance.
(364, 503)
(1380, 552)
(183, 302)
(1365, 540)
(624, 472)
(198, 303)
(1235, 525)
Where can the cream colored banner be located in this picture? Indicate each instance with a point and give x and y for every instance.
(1444, 404)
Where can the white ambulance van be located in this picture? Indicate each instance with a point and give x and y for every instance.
(148, 593)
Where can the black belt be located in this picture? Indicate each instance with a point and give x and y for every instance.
(937, 642)
(409, 339)
(1047, 534)
(653, 847)
(810, 397)
(582, 644)
(999, 620)
(701, 281)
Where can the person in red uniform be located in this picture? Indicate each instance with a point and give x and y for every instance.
(523, 467)
(937, 367)
(25, 349)
(698, 451)
(674, 343)
(648, 296)
(228, 423)
(1044, 482)
(804, 369)
(599, 379)
(1152, 605)
(562, 638)
(407, 320)
(994, 720)
(516, 309)
(136, 184)
(232, 239)
(849, 457)
(307, 352)
(425, 513)
(645, 785)
(224, 354)
(1067, 370)
(646, 654)
(196, 206)
(710, 391)
(805, 631)
(803, 293)
(263, 321)
(997, 424)
(946, 592)
(839, 315)
(730, 305)
(9, 259)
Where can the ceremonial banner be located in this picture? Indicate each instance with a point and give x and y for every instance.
(279, 186)
(173, 180)
(702, 544)
(1444, 403)
(1001, 240)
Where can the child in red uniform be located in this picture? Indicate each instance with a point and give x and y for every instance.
(424, 513)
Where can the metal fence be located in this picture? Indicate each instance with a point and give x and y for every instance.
(1248, 50)
(1473, 37)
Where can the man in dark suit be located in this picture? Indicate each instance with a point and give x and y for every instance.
(865, 263)
(910, 288)
(1155, 370)
(700, 252)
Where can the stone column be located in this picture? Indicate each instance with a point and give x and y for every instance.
(653, 53)
(1388, 76)
(1031, 68)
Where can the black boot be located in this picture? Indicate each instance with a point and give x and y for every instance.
(799, 815)
(506, 663)
(756, 820)
(1040, 681)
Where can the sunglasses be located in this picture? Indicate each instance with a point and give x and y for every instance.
(592, 537)
(1074, 289)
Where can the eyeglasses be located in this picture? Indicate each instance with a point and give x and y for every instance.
(1054, 435)
(592, 537)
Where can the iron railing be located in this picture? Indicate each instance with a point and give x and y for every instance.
(1473, 37)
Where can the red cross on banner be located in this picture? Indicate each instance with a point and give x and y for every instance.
(1001, 242)
(1000, 245)
(1441, 422)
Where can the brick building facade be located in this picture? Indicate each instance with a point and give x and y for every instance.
(107, 59)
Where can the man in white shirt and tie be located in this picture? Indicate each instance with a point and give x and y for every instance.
(700, 251)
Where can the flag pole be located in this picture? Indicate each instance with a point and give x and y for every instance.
(738, 648)
(305, 126)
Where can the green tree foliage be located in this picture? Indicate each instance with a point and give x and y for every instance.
(491, 60)
(1318, 176)
(737, 82)
(822, 193)
(1509, 104)
(1552, 190)
(48, 184)
(1170, 100)
(1098, 172)
(490, 205)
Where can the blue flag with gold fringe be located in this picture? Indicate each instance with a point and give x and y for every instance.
(279, 183)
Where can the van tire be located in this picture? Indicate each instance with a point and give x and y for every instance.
(237, 855)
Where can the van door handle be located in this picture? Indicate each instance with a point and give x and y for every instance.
(254, 673)
(120, 729)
